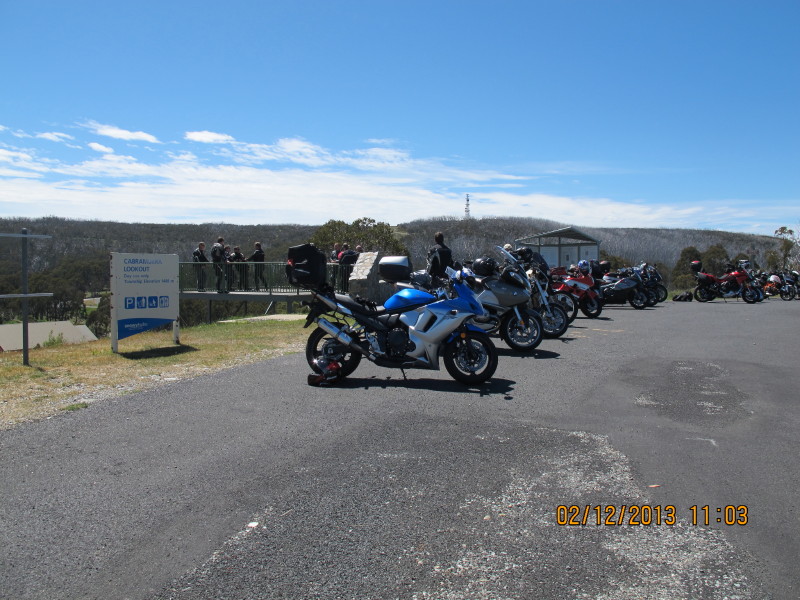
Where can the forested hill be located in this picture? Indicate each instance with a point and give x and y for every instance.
(73, 238)
(468, 238)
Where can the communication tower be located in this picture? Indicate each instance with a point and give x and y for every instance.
(466, 208)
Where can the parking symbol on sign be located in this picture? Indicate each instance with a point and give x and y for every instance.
(130, 302)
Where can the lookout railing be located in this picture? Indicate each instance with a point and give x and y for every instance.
(267, 277)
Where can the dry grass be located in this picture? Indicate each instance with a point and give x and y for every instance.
(70, 376)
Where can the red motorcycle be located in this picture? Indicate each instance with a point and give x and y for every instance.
(734, 284)
(580, 286)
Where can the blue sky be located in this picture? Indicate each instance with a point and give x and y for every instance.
(678, 113)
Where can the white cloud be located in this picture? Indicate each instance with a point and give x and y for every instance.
(296, 181)
(120, 134)
(100, 148)
(209, 137)
(54, 136)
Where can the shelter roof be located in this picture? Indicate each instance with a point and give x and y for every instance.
(565, 233)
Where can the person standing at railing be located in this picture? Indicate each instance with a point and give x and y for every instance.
(258, 258)
(241, 268)
(334, 259)
(230, 276)
(199, 257)
(219, 259)
(347, 258)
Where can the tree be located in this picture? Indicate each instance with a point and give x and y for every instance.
(374, 236)
(682, 276)
(773, 259)
(789, 249)
(99, 320)
(715, 259)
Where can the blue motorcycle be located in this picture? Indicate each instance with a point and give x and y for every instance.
(412, 330)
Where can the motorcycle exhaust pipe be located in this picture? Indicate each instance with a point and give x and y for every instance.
(340, 336)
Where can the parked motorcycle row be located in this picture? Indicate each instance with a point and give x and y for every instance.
(741, 281)
(516, 297)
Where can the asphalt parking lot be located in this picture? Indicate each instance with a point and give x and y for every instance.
(251, 484)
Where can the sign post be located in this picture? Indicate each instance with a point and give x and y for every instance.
(144, 294)
(25, 295)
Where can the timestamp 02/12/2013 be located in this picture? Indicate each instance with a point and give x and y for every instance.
(649, 514)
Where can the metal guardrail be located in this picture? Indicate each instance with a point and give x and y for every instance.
(268, 277)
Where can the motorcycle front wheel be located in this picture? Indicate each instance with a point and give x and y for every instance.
(521, 335)
(320, 343)
(554, 324)
(787, 293)
(591, 307)
(568, 303)
(471, 358)
(638, 300)
(749, 295)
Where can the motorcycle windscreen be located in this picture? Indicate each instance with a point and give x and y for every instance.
(408, 297)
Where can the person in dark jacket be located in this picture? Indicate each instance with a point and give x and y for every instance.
(199, 257)
(347, 258)
(241, 268)
(257, 257)
(218, 258)
(439, 256)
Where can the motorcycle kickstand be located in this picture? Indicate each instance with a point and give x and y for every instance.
(403, 371)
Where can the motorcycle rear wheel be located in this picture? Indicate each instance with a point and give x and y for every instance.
(555, 324)
(702, 294)
(471, 358)
(320, 341)
(652, 297)
(522, 336)
(661, 292)
(787, 293)
(591, 307)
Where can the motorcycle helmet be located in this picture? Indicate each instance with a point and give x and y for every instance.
(583, 266)
(484, 266)
(775, 279)
(525, 255)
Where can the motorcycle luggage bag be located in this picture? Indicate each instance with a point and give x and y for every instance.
(696, 266)
(394, 268)
(306, 266)
(703, 278)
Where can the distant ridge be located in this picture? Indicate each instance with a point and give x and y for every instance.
(468, 238)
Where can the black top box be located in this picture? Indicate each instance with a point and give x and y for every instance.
(305, 266)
